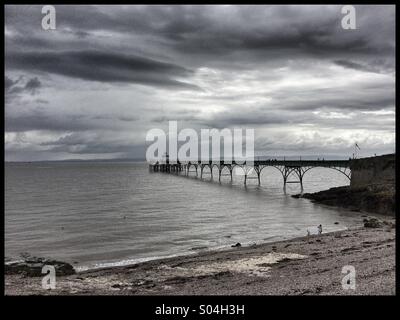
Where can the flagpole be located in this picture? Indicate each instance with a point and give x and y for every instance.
(355, 150)
(356, 146)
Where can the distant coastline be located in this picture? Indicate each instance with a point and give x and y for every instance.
(81, 160)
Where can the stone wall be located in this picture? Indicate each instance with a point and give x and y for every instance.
(378, 170)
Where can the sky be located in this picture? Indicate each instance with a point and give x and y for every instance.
(94, 86)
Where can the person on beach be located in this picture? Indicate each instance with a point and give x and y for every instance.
(320, 229)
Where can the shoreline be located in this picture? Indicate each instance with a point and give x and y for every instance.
(109, 264)
(217, 249)
(303, 265)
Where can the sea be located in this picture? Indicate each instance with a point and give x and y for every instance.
(96, 214)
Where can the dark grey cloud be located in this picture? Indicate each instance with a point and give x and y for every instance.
(100, 66)
(246, 33)
(291, 72)
(357, 66)
(92, 144)
(15, 88)
(36, 119)
(31, 86)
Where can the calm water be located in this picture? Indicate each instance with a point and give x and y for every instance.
(100, 213)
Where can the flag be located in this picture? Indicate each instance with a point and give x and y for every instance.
(358, 146)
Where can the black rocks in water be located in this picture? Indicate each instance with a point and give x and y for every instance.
(373, 223)
(199, 248)
(236, 245)
(32, 267)
(376, 199)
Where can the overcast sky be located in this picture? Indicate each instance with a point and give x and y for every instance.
(107, 74)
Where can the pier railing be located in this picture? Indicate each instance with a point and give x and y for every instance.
(290, 167)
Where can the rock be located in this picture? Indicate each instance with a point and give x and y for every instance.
(32, 267)
(236, 245)
(375, 199)
(391, 224)
(372, 223)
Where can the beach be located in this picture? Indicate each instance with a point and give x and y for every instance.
(310, 265)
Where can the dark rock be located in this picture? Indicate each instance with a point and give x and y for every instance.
(32, 267)
(285, 260)
(222, 274)
(391, 224)
(198, 248)
(236, 245)
(377, 199)
(373, 223)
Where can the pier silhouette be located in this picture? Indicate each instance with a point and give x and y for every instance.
(286, 167)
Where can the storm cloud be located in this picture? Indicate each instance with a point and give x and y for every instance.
(107, 74)
(100, 66)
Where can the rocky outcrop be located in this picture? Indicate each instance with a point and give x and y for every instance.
(378, 199)
(32, 267)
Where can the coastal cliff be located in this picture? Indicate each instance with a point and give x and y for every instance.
(372, 187)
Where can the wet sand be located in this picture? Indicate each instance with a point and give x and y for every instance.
(302, 266)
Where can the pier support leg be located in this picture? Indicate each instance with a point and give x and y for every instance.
(300, 174)
(284, 180)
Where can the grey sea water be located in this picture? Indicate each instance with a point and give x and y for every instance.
(97, 214)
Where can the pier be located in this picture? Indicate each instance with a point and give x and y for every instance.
(253, 169)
